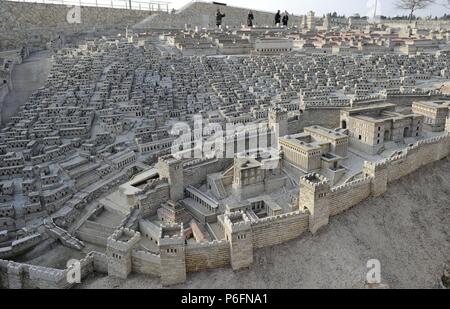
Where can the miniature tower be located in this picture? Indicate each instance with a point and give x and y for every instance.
(173, 257)
(327, 22)
(314, 196)
(311, 21)
(171, 169)
(377, 170)
(238, 233)
(303, 22)
(119, 248)
(278, 121)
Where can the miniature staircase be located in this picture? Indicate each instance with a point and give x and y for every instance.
(219, 189)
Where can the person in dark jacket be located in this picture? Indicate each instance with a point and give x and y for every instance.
(277, 18)
(219, 17)
(286, 19)
(250, 19)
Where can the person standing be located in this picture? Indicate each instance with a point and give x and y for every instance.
(286, 19)
(250, 19)
(219, 17)
(278, 18)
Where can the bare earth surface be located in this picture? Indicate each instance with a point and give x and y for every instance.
(26, 78)
(408, 230)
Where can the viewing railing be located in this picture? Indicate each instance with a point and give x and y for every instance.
(143, 5)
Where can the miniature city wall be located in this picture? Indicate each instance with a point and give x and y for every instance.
(37, 23)
(377, 175)
(242, 237)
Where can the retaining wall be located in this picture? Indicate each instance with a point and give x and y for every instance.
(39, 23)
(203, 14)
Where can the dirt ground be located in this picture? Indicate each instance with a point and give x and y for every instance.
(407, 230)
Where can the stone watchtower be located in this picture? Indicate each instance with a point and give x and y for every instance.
(239, 234)
(278, 122)
(315, 194)
(172, 253)
(171, 169)
(377, 170)
(119, 249)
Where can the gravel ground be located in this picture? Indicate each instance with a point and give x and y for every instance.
(407, 230)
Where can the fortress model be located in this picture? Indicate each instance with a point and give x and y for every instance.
(313, 119)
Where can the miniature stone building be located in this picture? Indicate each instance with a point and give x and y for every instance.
(314, 149)
(252, 176)
(435, 114)
(370, 128)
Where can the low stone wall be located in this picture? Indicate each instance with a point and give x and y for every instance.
(207, 255)
(18, 276)
(39, 23)
(20, 246)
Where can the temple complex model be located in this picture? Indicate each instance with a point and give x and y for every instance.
(314, 118)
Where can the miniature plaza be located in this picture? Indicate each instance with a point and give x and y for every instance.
(313, 120)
